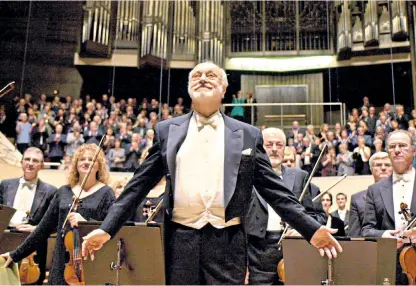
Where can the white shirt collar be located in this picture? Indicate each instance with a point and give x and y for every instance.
(198, 116)
(33, 182)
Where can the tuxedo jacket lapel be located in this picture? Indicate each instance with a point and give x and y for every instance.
(177, 134)
(387, 197)
(289, 178)
(413, 203)
(233, 147)
(11, 192)
(39, 194)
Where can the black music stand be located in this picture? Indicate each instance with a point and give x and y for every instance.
(145, 254)
(364, 261)
(6, 214)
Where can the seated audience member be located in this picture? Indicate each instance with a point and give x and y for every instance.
(332, 222)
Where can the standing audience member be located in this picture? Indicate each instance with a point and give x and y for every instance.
(23, 129)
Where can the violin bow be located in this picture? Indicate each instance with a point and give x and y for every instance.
(305, 188)
(327, 190)
(9, 87)
(84, 181)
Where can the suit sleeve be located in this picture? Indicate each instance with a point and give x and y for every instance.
(307, 199)
(354, 228)
(281, 199)
(46, 227)
(146, 177)
(370, 226)
(1, 193)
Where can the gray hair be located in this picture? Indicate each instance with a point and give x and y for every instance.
(400, 131)
(277, 131)
(223, 74)
(33, 150)
(377, 155)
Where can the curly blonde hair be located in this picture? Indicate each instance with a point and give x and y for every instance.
(102, 174)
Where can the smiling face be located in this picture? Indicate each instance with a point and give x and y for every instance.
(32, 162)
(206, 88)
(84, 163)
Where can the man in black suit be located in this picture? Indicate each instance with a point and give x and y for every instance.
(342, 211)
(295, 130)
(248, 112)
(310, 154)
(211, 163)
(29, 194)
(380, 166)
(264, 226)
(383, 216)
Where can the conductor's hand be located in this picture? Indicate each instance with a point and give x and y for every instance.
(325, 242)
(94, 241)
(8, 259)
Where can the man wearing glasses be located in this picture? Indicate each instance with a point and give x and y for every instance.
(383, 216)
(31, 198)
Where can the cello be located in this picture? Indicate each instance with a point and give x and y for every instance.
(408, 253)
(74, 270)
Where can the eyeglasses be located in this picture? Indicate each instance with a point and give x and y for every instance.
(401, 146)
(34, 161)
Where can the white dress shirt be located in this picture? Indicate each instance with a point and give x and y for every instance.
(402, 193)
(342, 214)
(199, 187)
(274, 221)
(23, 201)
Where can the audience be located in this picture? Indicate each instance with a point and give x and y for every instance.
(60, 126)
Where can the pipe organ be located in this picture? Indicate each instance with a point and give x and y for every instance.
(185, 32)
(128, 17)
(211, 31)
(371, 34)
(344, 38)
(97, 29)
(399, 20)
(154, 38)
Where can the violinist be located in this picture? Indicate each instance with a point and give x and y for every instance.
(31, 198)
(94, 204)
(383, 216)
(264, 224)
(380, 167)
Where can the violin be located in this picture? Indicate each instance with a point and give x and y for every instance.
(408, 253)
(281, 271)
(74, 271)
(29, 271)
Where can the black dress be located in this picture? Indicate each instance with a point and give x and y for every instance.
(92, 207)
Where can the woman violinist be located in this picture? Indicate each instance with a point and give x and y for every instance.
(332, 222)
(95, 201)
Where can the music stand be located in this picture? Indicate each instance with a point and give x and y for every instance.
(364, 261)
(6, 214)
(145, 253)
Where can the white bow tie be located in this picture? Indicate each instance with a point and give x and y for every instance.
(29, 185)
(202, 122)
(401, 177)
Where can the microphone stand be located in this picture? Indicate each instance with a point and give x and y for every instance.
(117, 266)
